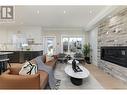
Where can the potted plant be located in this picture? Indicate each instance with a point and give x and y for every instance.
(86, 52)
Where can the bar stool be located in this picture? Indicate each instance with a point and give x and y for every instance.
(0, 68)
(3, 64)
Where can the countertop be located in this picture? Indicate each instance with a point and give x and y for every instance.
(5, 53)
(18, 50)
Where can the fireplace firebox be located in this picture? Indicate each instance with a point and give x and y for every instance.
(115, 54)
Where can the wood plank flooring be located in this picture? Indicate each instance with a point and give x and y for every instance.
(107, 81)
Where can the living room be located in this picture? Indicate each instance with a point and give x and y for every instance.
(37, 30)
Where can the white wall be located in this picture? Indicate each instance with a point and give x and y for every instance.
(93, 43)
(58, 33)
(6, 34)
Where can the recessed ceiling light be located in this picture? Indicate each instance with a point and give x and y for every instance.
(64, 12)
(38, 11)
(90, 11)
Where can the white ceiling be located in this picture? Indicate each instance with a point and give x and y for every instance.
(56, 16)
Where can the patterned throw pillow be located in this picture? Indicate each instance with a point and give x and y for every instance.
(28, 69)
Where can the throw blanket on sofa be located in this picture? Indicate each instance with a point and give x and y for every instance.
(48, 69)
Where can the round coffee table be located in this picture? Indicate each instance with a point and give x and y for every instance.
(76, 77)
(70, 61)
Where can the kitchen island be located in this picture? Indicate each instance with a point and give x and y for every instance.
(22, 56)
(4, 60)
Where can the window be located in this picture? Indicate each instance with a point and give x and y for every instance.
(65, 44)
(72, 44)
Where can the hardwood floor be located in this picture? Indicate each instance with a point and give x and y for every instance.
(107, 81)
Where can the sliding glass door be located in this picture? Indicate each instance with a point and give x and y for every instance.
(65, 42)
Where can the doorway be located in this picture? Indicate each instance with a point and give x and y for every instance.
(50, 45)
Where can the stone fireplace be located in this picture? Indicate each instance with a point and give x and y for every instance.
(115, 54)
(112, 45)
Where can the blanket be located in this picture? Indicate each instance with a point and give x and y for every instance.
(48, 69)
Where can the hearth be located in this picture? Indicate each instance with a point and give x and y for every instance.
(115, 54)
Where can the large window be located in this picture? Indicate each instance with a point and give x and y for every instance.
(72, 44)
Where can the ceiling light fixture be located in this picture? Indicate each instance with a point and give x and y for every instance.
(64, 12)
(90, 11)
(38, 11)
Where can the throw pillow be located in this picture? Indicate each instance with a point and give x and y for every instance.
(49, 58)
(28, 69)
(44, 58)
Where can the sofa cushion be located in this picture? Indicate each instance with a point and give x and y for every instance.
(49, 58)
(44, 58)
(28, 69)
(43, 78)
(51, 63)
(9, 81)
(33, 61)
(15, 69)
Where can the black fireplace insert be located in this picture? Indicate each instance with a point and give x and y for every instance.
(115, 54)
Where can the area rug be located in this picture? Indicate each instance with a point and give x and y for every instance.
(65, 83)
(58, 81)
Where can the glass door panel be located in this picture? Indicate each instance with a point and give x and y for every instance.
(72, 44)
(50, 45)
(65, 45)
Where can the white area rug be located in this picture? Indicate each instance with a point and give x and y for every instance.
(65, 83)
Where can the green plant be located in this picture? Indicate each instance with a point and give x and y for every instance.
(86, 50)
